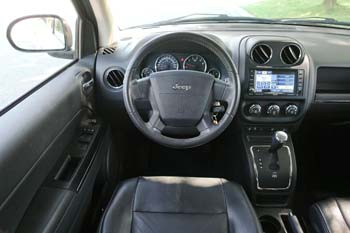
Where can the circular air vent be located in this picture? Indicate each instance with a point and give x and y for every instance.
(261, 54)
(114, 78)
(291, 54)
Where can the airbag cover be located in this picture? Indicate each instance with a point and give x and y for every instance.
(181, 96)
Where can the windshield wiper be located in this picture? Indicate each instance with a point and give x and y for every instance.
(205, 18)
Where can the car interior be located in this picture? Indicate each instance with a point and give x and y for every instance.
(211, 124)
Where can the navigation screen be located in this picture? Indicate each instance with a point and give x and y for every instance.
(274, 81)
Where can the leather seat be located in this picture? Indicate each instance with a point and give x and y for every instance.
(331, 216)
(179, 205)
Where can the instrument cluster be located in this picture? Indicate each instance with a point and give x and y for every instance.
(165, 62)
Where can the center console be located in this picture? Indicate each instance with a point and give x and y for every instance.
(275, 97)
(272, 173)
(272, 167)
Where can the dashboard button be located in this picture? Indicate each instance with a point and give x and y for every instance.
(273, 110)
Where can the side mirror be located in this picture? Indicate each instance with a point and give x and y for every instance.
(40, 33)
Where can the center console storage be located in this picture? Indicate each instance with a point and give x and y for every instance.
(276, 220)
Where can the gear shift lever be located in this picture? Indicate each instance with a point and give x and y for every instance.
(279, 138)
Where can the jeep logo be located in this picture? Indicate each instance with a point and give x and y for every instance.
(182, 87)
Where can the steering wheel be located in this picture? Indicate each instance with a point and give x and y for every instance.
(182, 99)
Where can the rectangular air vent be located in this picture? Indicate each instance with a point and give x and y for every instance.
(109, 50)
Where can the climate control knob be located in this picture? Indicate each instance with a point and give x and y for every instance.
(254, 109)
(273, 110)
(292, 110)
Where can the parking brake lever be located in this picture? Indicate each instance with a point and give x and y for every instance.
(279, 138)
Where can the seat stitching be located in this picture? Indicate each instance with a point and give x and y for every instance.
(323, 218)
(250, 207)
(109, 205)
(133, 204)
(341, 211)
(225, 202)
(165, 212)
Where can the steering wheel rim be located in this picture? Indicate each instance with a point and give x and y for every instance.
(133, 86)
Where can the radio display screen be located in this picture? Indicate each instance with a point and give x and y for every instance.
(274, 82)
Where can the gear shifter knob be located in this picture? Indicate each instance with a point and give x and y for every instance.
(279, 138)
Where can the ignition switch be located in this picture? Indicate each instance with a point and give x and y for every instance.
(217, 111)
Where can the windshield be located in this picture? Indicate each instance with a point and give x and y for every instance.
(134, 13)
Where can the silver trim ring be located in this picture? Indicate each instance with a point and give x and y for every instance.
(254, 47)
(216, 70)
(164, 55)
(257, 173)
(299, 58)
(106, 73)
(188, 57)
(146, 68)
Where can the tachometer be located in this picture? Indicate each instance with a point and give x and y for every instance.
(195, 62)
(166, 62)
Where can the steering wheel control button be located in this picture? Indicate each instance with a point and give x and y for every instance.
(292, 110)
(255, 109)
(273, 110)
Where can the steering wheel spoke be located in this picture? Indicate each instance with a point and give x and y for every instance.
(205, 124)
(155, 123)
(140, 88)
(222, 90)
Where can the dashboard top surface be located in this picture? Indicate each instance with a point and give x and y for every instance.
(337, 40)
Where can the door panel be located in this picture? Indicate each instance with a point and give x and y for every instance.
(34, 134)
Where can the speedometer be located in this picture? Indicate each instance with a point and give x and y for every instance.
(166, 62)
(195, 62)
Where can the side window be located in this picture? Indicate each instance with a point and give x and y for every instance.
(22, 71)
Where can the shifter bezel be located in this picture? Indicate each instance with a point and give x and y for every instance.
(256, 171)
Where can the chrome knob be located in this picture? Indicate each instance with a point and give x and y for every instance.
(292, 110)
(279, 138)
(255, 109)
(273, 110)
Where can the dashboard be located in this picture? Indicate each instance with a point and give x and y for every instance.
(285, 71)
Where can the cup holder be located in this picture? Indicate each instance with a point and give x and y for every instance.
(270, 224)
